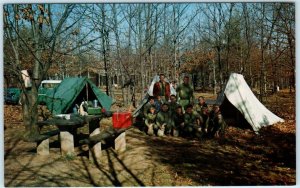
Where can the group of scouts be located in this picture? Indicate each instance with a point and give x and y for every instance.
(166, 114)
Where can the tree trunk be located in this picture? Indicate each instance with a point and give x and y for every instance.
(175, 41)
(104, 39)
(40, 64)
(262, 73)
(119, 60)
(214, 78)
(30, 111)
(141, 61)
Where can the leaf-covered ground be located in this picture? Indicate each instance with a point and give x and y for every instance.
(241, 158)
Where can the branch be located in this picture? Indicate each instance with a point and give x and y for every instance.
(25, 43)
(65, 15)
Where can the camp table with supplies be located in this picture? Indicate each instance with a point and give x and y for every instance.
(68, 129)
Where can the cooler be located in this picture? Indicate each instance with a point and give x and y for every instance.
(94, 111)
(121, 120)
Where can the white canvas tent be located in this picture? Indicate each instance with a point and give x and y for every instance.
(237, 94)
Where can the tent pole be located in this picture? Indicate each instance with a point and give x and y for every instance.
(87, 92)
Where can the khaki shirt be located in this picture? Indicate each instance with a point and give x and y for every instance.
(185, 92)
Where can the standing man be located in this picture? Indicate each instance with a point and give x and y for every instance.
(162, 89)
(185, 93)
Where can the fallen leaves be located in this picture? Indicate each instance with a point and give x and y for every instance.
(241, 158)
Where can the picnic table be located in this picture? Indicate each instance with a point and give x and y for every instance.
(68, 129)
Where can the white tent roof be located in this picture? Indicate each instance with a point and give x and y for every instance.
(240, 95)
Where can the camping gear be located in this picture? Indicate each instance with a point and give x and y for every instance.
(81, 110)
(94, 110)
(175, 133)
(95, 103)
(26, 78)
(161, 131)
(150, 130)
(74, 90)
(75, 110)
(121, 120)
(238, 101)
(63, 116)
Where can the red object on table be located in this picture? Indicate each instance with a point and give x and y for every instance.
(121, 120)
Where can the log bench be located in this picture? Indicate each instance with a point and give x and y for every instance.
(117, 136)
(43, 142)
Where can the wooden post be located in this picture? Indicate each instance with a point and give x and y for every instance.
(94, 129)
(67, 143)
(43, 147)
(120, 143)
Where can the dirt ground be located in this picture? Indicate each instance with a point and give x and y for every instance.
(241, 158)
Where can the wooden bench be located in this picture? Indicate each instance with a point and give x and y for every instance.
(43, 142)
(117, 136)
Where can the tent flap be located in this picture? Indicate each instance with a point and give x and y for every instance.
(104, 99)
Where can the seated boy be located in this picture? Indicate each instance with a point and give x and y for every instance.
(191, 121)
(216, 125)
(163, 119)
(150, 119)
(178, 118)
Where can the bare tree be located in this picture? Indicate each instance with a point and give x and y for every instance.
(45, 29)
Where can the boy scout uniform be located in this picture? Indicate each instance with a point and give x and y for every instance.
(185, 93)
(172, 107)
(150, 122)
(216, 124)
(190, 123)
(164, 118)
(198, 108)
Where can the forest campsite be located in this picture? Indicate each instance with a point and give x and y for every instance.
(149, 94)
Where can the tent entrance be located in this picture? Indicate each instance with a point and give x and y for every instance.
(232, 116)
(86, 94)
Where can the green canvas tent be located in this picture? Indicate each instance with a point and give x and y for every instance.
(72, 91)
